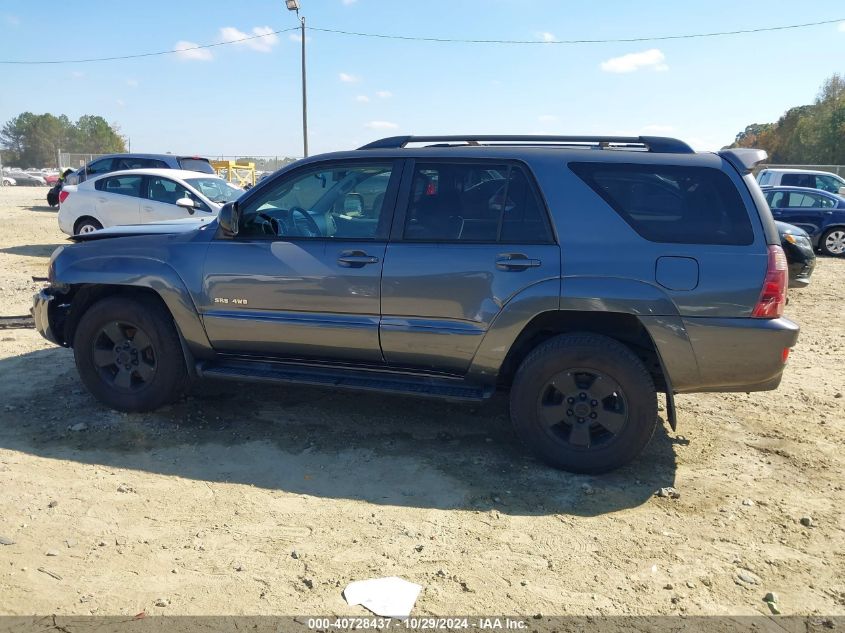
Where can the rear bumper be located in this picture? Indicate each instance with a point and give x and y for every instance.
(41, 315)
(739, 354)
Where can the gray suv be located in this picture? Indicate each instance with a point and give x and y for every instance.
(119, 162)
(581, 274)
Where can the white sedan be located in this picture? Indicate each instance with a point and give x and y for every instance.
(140, 196)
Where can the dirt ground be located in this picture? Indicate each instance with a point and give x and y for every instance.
(247, 499)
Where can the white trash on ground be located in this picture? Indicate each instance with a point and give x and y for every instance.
(389, 597)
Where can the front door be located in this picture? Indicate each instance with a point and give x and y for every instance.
(471, 236)
(159, 200)
(302, 277)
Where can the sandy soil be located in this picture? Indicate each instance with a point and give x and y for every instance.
(245, 499)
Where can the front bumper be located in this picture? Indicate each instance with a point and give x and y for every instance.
(41, 314)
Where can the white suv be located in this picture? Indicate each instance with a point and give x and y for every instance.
(823, 180)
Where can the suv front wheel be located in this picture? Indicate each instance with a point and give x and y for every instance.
(128, 353)
(584, 403)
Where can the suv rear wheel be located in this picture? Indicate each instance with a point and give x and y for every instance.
(128, 354)
(584, 403)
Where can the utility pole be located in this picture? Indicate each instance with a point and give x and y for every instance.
(293, 5)
(304, 95)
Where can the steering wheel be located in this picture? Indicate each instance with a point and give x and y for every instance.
(270, 226)
(311, 230)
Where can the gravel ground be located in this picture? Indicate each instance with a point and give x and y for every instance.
(247, 499)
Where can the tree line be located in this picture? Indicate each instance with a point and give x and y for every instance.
(33, 140)
(805, 135)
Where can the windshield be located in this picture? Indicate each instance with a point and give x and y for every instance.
(215, 189)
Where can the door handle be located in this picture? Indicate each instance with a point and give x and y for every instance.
(356, 259)
(148, 209)
(516, 262)
(102, 199)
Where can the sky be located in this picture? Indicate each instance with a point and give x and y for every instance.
(244, 98)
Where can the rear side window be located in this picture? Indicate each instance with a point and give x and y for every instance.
(765, 177)
(474, 202)
(132, 162)
(196, 164)
(672, 204)
(798, 180)
(123, 185)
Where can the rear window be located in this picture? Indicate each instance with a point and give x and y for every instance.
(672, 204)
(196, 164)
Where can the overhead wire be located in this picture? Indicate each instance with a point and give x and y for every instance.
(442, 40)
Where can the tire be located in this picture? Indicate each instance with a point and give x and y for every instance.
(128, 354)
(832, 242)
(86, 225)
(593, 434)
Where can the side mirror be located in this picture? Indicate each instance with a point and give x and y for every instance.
(187, 204)
(228, 218)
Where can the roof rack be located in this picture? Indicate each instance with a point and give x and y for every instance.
(657, 144)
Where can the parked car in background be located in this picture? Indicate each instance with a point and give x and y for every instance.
(140, 196)
(582, 274)
(800, 254)
(824, 180)
(820, 213)
(121, 162)
(23, 179)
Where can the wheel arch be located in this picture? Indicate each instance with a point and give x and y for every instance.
(86, 281)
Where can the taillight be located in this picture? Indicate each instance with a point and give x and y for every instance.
(773, 295)
(63, 196)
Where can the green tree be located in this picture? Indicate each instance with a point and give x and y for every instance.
(807, 134)
(33, 140)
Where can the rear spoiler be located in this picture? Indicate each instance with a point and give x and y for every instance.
(744, 159)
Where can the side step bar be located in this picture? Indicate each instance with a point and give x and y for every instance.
(341, 378)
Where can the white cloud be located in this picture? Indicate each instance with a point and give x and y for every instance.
(120, 103)
(348, 79)
(189, 51)
(381, 125)
(384, 94)
(296, 37)
(652, 58)
(547, 118)
(658, 128)
(77, 74)
(264, 39)
(133, 83)
(362, 99)
(547, 37)
(842, 26)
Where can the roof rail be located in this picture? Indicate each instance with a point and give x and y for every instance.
(657, 144)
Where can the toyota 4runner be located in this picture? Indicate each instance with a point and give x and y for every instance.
(581, 274)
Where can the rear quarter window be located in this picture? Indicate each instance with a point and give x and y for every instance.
(672, 204)
(196, 164)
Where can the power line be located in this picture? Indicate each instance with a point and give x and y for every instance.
(176, 50)
(443, 40)
(606, 41)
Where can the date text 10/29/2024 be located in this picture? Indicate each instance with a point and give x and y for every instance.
(418, 624)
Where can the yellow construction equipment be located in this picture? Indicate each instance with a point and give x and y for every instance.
(242, 174)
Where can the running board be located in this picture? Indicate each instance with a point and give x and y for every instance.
(341, 378)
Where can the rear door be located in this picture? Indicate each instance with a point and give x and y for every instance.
(118, 199)
(159, 200)
(469, 236)
(805, 209)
